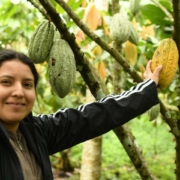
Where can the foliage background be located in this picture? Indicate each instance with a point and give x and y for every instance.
(19, 18)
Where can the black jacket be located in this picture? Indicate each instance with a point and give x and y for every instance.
(48, 134)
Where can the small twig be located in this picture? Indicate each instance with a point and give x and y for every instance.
(113, 52)
(83, 65)
(163, 9)
(37, 6)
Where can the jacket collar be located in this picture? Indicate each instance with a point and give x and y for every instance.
(3, 132)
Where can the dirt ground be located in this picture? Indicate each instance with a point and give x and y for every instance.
(61, 175)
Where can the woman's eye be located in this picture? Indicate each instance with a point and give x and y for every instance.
(5, 82)
(28, 85)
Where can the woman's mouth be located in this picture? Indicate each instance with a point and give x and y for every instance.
(15, 104)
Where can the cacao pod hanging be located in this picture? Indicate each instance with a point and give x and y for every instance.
(61, 67)
(57, 35)
(153, 112)
(166, 55)
(41, 42)
(119, 28)
(134, 6)
(134, 37)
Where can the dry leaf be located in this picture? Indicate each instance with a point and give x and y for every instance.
(147, 31)
(130, 51)
(100, 66)
(92, 17)
(135, 23)
(84, 3)
(106, 28)
(80, 36)
(97, 51)
(142, 69)
(102, 69)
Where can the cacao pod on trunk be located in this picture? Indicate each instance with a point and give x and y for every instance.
(61, 67)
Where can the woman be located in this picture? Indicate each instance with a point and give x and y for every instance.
(26, 141)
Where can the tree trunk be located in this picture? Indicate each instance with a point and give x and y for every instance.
(91, 159)
(91, 155)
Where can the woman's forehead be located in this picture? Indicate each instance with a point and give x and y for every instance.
(15, 66)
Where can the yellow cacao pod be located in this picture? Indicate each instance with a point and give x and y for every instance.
(61, 67)
(166, 55)
(119, 28)
(41, 42)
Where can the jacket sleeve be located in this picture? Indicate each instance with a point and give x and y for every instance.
(68, 127)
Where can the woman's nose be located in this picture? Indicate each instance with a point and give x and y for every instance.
(18, 90)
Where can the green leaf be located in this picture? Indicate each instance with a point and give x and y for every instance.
(153, 13)
(167, 4)
(75, 4)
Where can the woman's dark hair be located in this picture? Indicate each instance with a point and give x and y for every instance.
(9, 54)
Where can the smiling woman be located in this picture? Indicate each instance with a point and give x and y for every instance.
(18, 79)
(26, 141)
(17, 89)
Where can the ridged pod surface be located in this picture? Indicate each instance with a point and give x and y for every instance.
(134, 6)
(41, 42)
(119, 28)
(166, 55)
(134, 37)
(57, 35)
(61, 67)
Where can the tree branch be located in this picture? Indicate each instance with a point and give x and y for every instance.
(40, 9)
(124, 133)
(176, 10)
(83, 65)
(114, 53)
(86, 69)
(117, 56)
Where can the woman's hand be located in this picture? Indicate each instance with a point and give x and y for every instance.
(148, 74)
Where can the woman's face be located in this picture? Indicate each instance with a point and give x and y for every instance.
(17, 93)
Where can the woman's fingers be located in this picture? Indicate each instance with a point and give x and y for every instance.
(148, 74)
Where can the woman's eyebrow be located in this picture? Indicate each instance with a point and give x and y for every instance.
(29, 79)
(8, 76)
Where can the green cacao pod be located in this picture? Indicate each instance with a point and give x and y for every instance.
(61, 67)
(134, 6)
(57, 35)
(154, 112)
(134, 37)
(41, 42)
(119, 28)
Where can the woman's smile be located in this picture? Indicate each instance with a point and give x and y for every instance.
(17, 92)
(16, 105)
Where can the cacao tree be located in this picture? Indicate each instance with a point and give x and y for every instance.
(154, 20)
